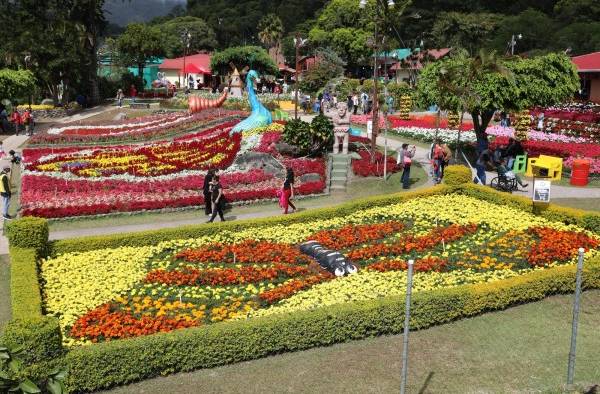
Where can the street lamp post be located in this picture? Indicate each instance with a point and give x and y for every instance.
(378, 4)
(513, 42)
(186, 37)
(298, 42)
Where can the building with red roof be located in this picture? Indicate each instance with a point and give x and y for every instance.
(588, 67)
(198, 66)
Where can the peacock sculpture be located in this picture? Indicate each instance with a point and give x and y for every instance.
(260, 116)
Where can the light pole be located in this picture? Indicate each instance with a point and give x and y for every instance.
(186, 38)
(378, 4)
(513, 42)
(298, 42)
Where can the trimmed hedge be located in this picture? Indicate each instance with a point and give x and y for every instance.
(456, 175)
(25, 292)
(155, 236)
(28, 232)
(40, 338)
(112, 363)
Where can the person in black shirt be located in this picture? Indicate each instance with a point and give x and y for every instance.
(206, 192)
(216, 194)
(288, 191)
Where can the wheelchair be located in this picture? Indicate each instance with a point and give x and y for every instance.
(504, 184)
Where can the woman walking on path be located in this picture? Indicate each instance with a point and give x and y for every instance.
(446, 156)
(287, 192)
(216, 194)
(206, 192)
(405, 160)
(17, 120)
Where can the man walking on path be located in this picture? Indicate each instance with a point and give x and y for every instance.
(5, 192)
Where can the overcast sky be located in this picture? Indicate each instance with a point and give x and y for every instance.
(122, 12)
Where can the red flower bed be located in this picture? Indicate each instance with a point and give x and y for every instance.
(292, 287)
(225, 276)
(411, 243)
(557, 245)
(352, 235)
(576, 115)
(422, 265)
(364, 166)
(104, 323)
(559, 149)
(249, 251)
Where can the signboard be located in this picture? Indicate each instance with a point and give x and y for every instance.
(541, 191)
(369, 128)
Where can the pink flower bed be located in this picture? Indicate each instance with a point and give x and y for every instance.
(423, 121)
(594, 164)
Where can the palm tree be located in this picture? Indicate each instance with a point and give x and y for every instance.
(270, 32)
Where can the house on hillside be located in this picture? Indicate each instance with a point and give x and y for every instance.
(198, 66)
(588, 67)
(410, 62)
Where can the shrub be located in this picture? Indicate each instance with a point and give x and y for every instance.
(40, 338)
(118, 362)
(455, 175)
(297, 132)
(28, 232)
(24, 286)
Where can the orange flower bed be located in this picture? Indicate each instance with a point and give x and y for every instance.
(352, 235)
(104, 323)
(292, 287)
(411, 243)
(557, 245)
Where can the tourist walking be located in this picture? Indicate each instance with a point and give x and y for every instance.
(216, 195)
(4, 125)
(437, 156)
(355, 103)
(484, 159)
(28, 121)
(447, 155)
(120, 97)
(5, 192)
(206, 192)
(287, 192)
(17, 120)
(404, 160)
(364, 102)
(132, 92)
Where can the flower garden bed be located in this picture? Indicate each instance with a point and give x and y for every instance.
(74, 181)
(156, 302)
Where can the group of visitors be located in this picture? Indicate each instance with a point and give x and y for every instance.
(362, 102)
(214, 198)
(20, 121)
(502, 159)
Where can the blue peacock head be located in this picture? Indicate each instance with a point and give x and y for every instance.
(252, 75)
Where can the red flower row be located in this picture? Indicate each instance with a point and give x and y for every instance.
(249, 251)
(558, 245)
(292, 287)
(104, 323)
(422, 265)
(410, 243)
(351, 235)
(225, 276)
(550, 148)
(366, 167)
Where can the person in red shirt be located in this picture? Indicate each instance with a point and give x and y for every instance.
(28, 122)
(133, 92)
(17, 120)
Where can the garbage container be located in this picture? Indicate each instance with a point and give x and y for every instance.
(580, 172)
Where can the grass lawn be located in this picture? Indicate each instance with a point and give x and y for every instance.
(523, 349)
(357, 188)
(5, 313)
(589, 204)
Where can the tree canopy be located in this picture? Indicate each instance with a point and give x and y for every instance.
(329, 66)
(203, 37)
(251, 56)
(138, 43)
(15, 84)
(485, 83)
